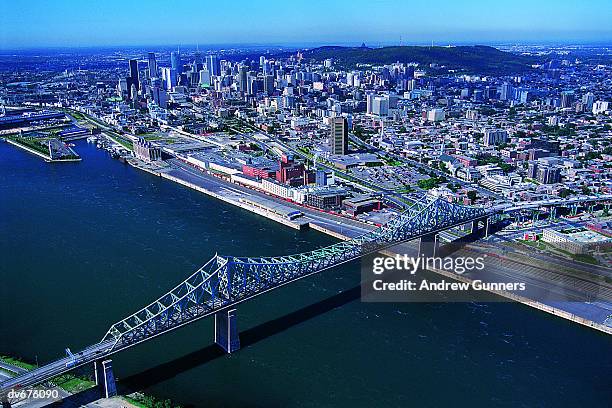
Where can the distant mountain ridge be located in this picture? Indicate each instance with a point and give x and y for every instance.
(477, 59)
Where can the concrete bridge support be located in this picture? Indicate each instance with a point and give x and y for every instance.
(553, 213)
(105, 378)
(476, 226)
(429, 245)
(574, 210)
(226, 330)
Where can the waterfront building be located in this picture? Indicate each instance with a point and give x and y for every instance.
(144, 150)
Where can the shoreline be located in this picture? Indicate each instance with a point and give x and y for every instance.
(48, 159)
(268, 213)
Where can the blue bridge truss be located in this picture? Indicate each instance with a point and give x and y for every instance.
(225, 281)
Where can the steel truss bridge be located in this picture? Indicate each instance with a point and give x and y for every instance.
(225, 281)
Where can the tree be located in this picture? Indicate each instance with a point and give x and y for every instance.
(427, 184)
(472, 195)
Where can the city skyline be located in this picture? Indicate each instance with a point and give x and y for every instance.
(38, 24)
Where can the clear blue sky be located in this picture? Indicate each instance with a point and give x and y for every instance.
(33, 23)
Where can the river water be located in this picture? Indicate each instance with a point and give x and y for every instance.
(82, 245)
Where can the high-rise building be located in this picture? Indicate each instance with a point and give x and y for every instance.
(122, 88)
(436, 115)
(495, 137)
(339, 136)
(506, 92)
(324, 178)
(133, 82)
(269, 84)
(567, 98)
(380, 106)
(600, 107)
(369, 102)
(588, 99)
(152, 65)
(175, 62)
(204, 78)
(290, 171)
(548, 174)
(242, 78)
(197, 58)
(212, 63)
(169, 77)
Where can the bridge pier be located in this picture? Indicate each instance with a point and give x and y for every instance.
(574, 210)
(535, 215)
(553, 213)
(226, 330)
(429, 245)
(477, 222)
(105, 378)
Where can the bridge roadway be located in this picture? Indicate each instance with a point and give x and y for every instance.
(564, 202)
(224, 282)
(58, 367)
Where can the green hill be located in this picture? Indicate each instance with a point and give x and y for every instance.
(478, 59)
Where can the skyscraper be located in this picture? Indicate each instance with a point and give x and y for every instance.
(242, 78)
(212, 63)
(133, 80)
(175, 62)
(169, 77)
(506, 92)
(269, 84)
(339, 136)
(152, 65)
(567, 98)
(588, 99)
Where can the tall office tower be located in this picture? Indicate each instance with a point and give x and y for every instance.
(339, 136)
(212, 63)
(370, 102)
(490, 92)
(269, 84)
(252, 85)
(122, 88)
(506, 92)
(204, 78)
(242, 78)
(134, 74)
(197, 58)
(152, 65)
(169, 77)
(175, 62)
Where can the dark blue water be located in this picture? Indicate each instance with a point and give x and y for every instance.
(84, 244)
